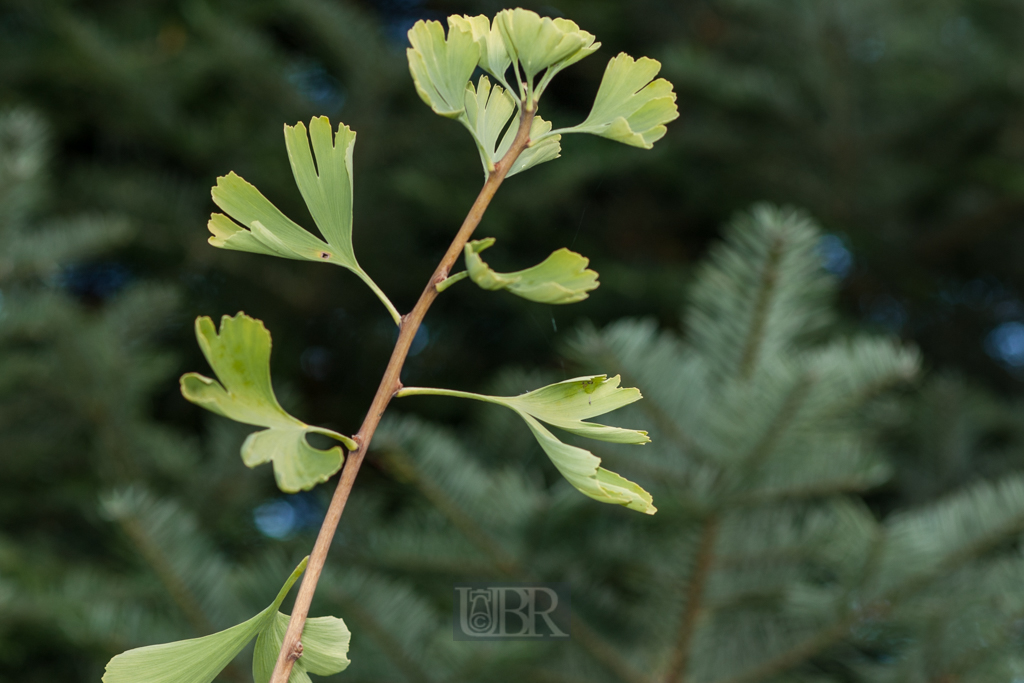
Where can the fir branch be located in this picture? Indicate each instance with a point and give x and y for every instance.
(460, 519)
(822, 490)
(797, 654)
(597, 647)
(614, 362)
(784, 419)
(175, 586)
(694, 595)
(759, 319)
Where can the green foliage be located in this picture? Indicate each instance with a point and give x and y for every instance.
(562, 278)
(631, 107)
(240, 356)
(565, 405)
(784, 100)
(541, 44)
(200, 660)
(523, 40)
(327, 189)
(487, 114)
(324, 647)
(441, 66)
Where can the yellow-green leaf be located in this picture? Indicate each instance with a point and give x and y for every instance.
(441, 67)
(562, 278)
(488, 110)
(327, 185)
(325, 642)
(240, 357)
(630, 106)
(327, 188)
(243, 202)
(542, 146)
(540, 43)
(582, 469)
(494, 57)
(566, 405)
(197, 660)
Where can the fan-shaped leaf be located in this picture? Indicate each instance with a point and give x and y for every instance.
(488, 110)
(327, 186)
(566, 405)
(240, 357)
(441, 67)
(197, 660)
(540, 43)
(630, 106)
(494, 57)
(324, 649)
(327, 189)
(562, 278)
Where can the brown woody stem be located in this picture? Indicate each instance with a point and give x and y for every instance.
(389, 384)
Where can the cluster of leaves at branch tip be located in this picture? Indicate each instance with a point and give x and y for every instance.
(631, 106)
(325, 643)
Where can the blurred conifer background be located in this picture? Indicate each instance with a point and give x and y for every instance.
(898, 125)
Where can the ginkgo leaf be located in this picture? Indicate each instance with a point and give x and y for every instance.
(488, 110)
(542, 147)
(494, 57)
(540, 43)
(441, 67)
(243, 202)
(583, 470)
(562, 278)
(325, 642)
(240, 357)
(566, 405)
(326, 186)
(197, 660)
(630, 106)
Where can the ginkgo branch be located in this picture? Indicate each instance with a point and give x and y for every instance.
(390, 384)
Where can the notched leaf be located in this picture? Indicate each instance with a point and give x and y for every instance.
(562, 278)
(326, 186)
(566, 405)
(240, 358)
(325, 642)
(269, 231)
(631, 107)
(200, 660)
(488, 110)
(541, 43)
(494, 57)
(441, 66)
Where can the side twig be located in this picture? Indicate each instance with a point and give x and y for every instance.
(389, 384)
(694, 596)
